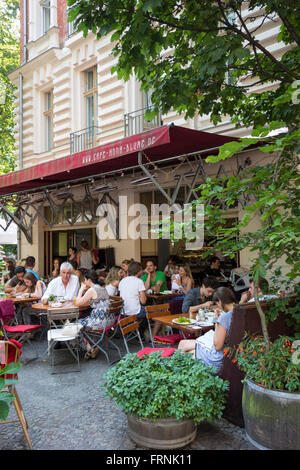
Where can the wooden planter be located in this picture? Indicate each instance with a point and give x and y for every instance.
(272, 417)
(166, 433)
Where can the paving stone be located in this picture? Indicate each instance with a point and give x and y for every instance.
(69, 411)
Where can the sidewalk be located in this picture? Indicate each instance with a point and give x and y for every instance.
(69, 412)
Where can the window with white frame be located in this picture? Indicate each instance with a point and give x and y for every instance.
(71, 26)
(48, 118)
(46, 15)
(90, 97)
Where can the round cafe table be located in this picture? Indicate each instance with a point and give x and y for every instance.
(21, 300)
(40, 307)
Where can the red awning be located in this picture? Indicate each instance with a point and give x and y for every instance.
(158, 144)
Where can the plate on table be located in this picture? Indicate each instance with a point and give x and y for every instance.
(55, 304)
(167, 292)
(187, 321)
(205, 323)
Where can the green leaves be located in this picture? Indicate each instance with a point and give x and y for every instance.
(6, 397)
(203, 56)
(273, 369)
(156, 387)
(9, 60)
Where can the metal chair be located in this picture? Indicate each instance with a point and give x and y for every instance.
(10, 352)
(129, 327)
(55, 335)
(99, 338)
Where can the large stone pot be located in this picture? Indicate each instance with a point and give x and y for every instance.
(165, 433)
(272, 417)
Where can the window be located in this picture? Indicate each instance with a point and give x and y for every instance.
(46, 15)
(71, 26)
(90, 97)
(48, 116)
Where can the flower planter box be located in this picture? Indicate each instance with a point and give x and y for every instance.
(272, 417)
(165, 433)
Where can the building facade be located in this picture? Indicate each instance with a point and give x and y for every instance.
(70, 106)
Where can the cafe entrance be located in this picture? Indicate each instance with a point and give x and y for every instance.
(57, 243)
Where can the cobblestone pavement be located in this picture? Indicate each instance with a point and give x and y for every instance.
(68, 411)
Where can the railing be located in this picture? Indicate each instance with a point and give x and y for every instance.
(136, 122)
(83, 139)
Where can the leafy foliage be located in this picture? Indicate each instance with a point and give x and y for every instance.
(6, 397)
(208, 58)
(273, 369)
(9, 60)
(208, 55)
(157, 387)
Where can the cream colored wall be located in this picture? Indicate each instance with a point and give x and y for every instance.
(62, 70)
(37, 247)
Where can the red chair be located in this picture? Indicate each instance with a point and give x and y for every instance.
(10, 351)
(156, 311)
(20, 332)
(129, 327)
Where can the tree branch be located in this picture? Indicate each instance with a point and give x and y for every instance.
(252, 41)
(290, 28)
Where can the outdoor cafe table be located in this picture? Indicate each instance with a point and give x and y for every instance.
(161, 298)
(22, 300)
(168, 321)
(19, 303)
(42, 309)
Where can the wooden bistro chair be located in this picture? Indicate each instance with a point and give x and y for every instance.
(155, 311)
(10, 352)
(129, 327)
(56, 321)
(101, 339)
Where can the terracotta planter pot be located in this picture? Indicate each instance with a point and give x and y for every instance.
(165, 433)
(272, 417)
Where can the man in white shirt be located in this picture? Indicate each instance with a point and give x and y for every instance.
(65, 285)
(262, 289)
(133, 291)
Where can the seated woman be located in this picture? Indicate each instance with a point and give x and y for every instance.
(34, 288)
(56, 267)
(184, 280)
(112, 281)
(98, 297)
(76, 271)
(125, 265)
(213, 356)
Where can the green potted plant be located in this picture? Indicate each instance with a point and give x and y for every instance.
(7, 397)
(165, 398)
(51, 300)
(271, 393)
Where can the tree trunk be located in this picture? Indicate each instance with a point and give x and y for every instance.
(262, 318)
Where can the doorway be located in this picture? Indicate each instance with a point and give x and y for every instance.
(57, 243)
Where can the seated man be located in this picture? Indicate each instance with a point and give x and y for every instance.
(262, 290)
(153, 279)
(29, 265)
(16, 283)
(214, 268)
(200, 297)
(65, 285)
(133, 291)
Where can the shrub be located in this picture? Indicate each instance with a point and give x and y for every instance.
(176, 386)
(277, 369)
